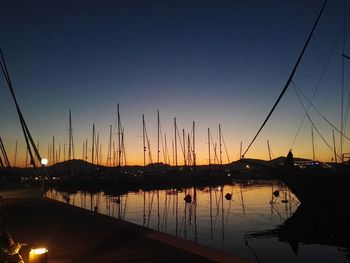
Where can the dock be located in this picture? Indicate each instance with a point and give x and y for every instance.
(72, 234)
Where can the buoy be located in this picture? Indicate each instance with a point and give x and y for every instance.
(188, 198)
(276, 193)
(228, 196)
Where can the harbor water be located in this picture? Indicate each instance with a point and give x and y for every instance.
(250, 219)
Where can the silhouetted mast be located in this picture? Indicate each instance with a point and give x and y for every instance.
(143, 140)
(97, 148)
(194, 144)
(83, 155)
(240, 151)
(71, 143)
(93, 144)
(27, 136)
(123, 147)
(110, 146)
(4, 154)
(289, 80)
(334, 149)
(209, 161)
(175, 142)
(86, 149)
(119, 137)
(184, 146)
(59, 152)
(53, 150)
(220, 145)
(268, 148)
(15, 160)
(313, 143)
(158, 129)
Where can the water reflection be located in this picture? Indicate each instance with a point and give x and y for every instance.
(232, 217)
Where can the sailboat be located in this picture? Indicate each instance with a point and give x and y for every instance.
(315, 186)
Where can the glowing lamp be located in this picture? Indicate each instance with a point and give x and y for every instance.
(44, 161)
(38, 255)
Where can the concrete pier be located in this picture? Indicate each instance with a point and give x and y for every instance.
(74, 235)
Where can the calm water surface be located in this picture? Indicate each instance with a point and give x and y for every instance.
(245, 225)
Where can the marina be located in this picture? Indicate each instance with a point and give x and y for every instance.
(211, 218)
(143, 132)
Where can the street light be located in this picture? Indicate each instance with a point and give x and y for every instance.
(38, 255)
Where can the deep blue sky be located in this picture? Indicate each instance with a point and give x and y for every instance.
(209, 61)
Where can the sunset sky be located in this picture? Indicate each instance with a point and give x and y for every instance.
(205, 61)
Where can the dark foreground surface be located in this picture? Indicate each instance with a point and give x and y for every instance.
(75, 235)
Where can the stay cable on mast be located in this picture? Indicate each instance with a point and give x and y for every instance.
(289, 79)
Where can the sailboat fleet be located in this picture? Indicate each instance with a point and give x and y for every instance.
(303, 182)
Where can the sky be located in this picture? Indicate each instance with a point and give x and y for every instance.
(212, 62)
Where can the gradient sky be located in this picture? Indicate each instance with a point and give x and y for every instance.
(206, 61)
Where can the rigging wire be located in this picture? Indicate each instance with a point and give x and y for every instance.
(317, 110)
(313, 124)
(289, 79)
(318, 84)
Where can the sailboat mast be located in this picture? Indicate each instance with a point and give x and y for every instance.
(93, 144)
(268, 148)
(175, 142)
(86, 150)
(97, 147)
(220, 144)
(334, 149)
(343, 85)
(209, 146)
(119, 137)
(184, 146)
(70, 137)
(143, 140)
(158, 129)
(59, 153)
(313, 144)
(53, 150)
(110, 146)
(83, 156)
(194, 144)
(15, 160)
(240, 151)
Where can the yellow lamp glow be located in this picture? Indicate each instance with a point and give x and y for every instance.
(44, 161)
(38, 255)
